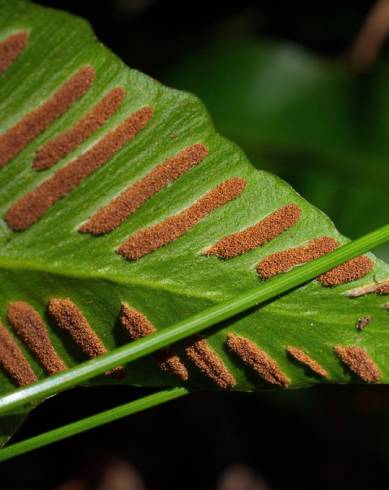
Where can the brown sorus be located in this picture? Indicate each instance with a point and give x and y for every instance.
(27, 210)
(381, 287)
(13, 360)
(135, 323)
(11, 48)
(257, 359)
(64, 143)
(137, 326)
(154, 237)
(349, 271)
(69, 318)
(119, 209)
(16, 138)
(206, 359)
(359, 362)
(302, 357)
(30, 327)
(171, 363)
(363, 322)
(287, 259)
(257, 235)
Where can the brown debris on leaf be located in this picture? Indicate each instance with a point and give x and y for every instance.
(363, 322)
(381, 288)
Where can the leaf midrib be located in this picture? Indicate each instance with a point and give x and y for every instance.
(214, 297)
(82, 274)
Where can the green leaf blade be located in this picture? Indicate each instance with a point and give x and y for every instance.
(52, 259)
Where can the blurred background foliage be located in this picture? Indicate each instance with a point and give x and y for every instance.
(312, 121)
(288, 83)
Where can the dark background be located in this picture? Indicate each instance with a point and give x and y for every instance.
(323, 438)
(152, 35)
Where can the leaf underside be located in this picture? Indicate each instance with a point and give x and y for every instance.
(52, 259)
(280, 88)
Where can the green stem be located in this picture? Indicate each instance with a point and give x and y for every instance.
(194, 324)
(91, 422)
